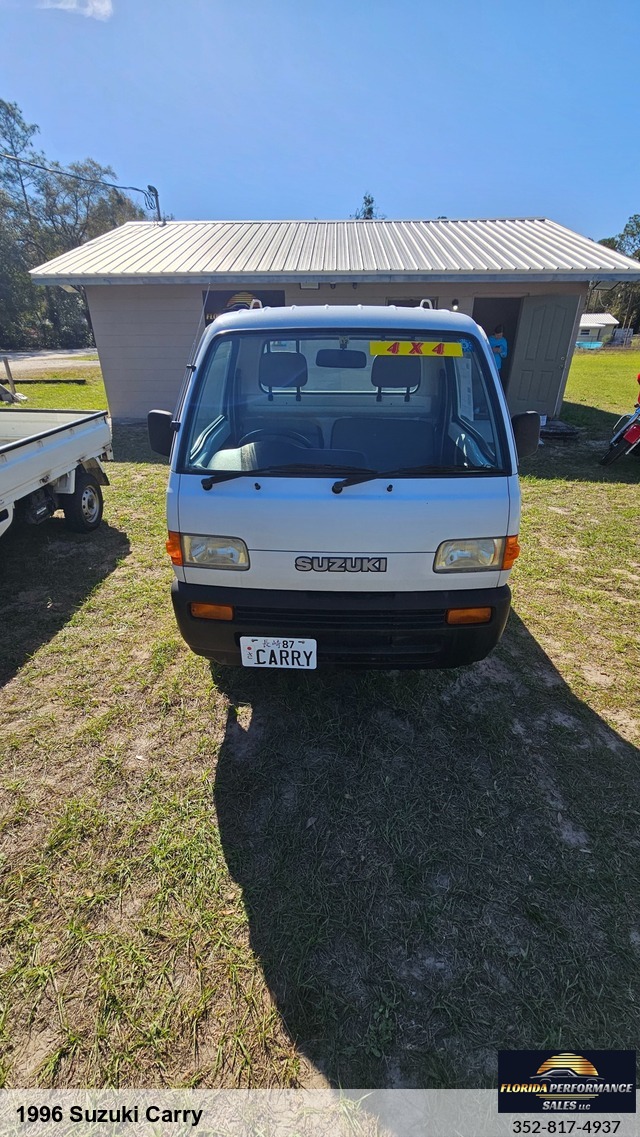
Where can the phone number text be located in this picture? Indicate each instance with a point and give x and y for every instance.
(565, 1127)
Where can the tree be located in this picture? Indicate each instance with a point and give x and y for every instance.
(43, 213)
(628, 242)
(622, 300)
(71, 211)
(18, 295)
(17, 180)
(368, 210)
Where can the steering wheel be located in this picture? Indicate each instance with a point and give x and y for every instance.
(264, 433)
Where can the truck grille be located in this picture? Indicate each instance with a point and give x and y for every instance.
(340, 619)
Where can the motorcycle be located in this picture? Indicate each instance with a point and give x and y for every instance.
(626, 436)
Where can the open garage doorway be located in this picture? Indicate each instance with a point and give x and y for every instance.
(489, 312)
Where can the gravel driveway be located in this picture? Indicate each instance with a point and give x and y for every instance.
(29, 362)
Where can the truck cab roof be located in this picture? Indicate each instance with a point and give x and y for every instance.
(341, 315)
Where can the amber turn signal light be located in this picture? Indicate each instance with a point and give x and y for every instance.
(211, 611)
(511, 552)
(468, 615)
(174, 548)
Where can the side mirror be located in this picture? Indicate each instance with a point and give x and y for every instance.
(161, 429)
(526, 430)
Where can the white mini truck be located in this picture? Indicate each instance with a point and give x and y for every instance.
(53, 460)
(343, 489)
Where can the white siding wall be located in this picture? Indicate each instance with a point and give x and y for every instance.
(144, 335)
(380, 294)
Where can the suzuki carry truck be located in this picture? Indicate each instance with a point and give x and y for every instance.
(343, 489)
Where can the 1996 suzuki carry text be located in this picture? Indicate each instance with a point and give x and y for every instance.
(343, 489)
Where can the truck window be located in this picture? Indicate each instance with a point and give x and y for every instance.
(209, 419)
(349, 399)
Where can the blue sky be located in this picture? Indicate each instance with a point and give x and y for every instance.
(295, 108)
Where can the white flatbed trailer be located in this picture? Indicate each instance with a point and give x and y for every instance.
(53, 460)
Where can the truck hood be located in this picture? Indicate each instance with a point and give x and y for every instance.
(367, 538)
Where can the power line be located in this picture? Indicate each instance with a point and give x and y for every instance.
(150, 194)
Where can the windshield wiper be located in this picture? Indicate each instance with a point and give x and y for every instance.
(284, 468)
(403, 471)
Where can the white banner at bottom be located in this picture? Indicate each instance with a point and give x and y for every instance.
(289, 1113)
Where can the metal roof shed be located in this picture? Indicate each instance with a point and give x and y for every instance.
(151, 286)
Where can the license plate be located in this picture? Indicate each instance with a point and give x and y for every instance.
(258, 651)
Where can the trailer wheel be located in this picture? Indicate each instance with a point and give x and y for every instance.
(83, 510)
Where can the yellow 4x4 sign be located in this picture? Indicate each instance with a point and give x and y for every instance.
(410, 347)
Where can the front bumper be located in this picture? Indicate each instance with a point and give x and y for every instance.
(359, 629)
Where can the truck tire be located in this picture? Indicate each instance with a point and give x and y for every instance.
(83, 508)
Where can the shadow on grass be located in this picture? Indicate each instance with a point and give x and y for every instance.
(47, 573)
(578, 460)
(434, 865)
(596, 421)
(131, 444)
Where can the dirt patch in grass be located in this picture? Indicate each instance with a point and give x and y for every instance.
(217, 878)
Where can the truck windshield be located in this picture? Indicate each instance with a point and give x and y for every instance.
(348, 401)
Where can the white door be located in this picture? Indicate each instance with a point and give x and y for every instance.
(540, 352)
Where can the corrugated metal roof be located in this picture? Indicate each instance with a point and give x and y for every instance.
(597, 320)
(269, 251)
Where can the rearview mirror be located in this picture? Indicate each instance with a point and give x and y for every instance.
(526, 430)
(342, 358)
(161, 428)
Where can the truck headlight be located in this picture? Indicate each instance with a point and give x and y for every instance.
(214, 552)
(475, 554)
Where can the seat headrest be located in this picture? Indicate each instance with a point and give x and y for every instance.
(283, 369)
(395, 371)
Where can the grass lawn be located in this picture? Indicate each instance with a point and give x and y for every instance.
(88, 396)
(602, 385)
(219, 878)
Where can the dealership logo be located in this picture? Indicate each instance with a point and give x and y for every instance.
(341, 564)
(532, 1081)
(217, 302)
